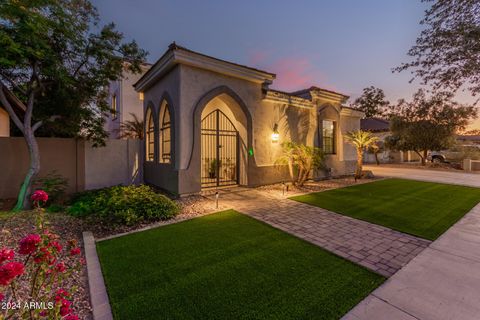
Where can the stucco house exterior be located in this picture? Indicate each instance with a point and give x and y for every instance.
(213, 123)
(18, 108)
(381, 129)
(124, 102)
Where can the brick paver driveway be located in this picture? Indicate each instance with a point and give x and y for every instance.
(378, 248)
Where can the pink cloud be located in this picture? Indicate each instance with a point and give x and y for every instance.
(293, 73)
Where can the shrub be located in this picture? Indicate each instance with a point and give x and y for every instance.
(126, 205)
(54, 184)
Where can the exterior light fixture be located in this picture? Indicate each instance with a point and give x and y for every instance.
(140, 96)
(275, 134)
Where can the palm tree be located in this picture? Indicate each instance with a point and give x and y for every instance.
(360, 140)
(131, 128)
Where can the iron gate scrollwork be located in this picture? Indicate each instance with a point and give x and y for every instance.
(220, 151)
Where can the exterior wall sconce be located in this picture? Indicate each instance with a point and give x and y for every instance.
(275, 134)
(140, 96)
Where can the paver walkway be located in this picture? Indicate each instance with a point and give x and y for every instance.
(460, 178)
(378, 248)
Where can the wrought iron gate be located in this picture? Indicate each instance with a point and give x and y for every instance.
(220, 150)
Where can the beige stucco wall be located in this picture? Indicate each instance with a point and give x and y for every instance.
(82, 165)
(127, 99)
(4, 123)
(118, 163)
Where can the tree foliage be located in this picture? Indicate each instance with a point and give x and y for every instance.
(301, 160)
(372, 102)
(58, 61)
(361, 140)
(427, 123)
(132, 129)
(447, 52)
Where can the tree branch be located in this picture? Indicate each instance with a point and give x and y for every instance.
(13, 84)
(41, 122)
(6, 104)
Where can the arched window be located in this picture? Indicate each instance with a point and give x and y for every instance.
(165, 135)
(150, 136)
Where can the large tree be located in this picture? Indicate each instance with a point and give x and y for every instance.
(372, 102)
(427, 123)
(447, 52)
(58, 61)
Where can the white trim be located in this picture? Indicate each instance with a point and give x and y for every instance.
(280, 97)
(179, 56)
(351, 113)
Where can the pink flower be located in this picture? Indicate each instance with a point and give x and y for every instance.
(29, 244)
(75, 251)
(6, 254)
(39, 195)
(10, 271)
(60, 267)
(43, 313)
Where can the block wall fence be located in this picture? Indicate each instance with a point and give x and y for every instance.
(85, 167)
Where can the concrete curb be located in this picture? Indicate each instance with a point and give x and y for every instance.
(98, 291)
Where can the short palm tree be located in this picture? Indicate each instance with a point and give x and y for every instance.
(132, 128)
(360, 140)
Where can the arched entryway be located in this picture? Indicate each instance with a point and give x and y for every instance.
(220, 151)
(223, 141)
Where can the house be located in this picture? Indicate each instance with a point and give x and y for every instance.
(18, 108)
(124, 102)
(212, 123)
(381, 129)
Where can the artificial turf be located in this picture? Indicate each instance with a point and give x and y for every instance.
(228, 266)
(424, 209)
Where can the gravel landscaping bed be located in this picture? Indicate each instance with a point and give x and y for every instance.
(14, 227)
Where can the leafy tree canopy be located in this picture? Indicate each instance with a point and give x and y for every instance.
(55, 54)
(447, 52)
(427, 122)
(372, 102)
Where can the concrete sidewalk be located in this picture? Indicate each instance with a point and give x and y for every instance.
(450, 177)
(442, 282)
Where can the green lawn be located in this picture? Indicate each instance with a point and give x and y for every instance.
(424, 209)
(228, 266)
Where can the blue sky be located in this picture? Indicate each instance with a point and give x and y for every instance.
(343, 45)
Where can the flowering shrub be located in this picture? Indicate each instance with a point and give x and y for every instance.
(44, 264)
(124, 204)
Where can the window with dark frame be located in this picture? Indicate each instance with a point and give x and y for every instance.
(165, 136)
(150, 135)
(328, 136)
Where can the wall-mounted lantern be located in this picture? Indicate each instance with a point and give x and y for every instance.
(140, 96)
(275, 134)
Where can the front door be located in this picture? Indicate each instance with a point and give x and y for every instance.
(220, 151)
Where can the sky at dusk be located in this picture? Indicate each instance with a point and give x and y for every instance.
(342, 45)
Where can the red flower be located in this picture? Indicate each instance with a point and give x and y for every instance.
(75, 251)
(43, 313)
(65, 308)
(71, 317)
(10, 271)
(6, 254)
(56, 245)
(61, 293)
(39, 195)
(2, 296)
(44, 255)
(60, 267)
(29, 244)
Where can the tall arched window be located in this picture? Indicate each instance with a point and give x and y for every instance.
(150, 136)
(165, 134)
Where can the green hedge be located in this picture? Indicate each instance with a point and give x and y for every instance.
(126, 205)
